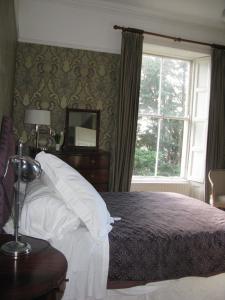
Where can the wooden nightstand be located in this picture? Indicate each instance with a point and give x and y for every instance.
(40, 275)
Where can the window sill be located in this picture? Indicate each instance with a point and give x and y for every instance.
(158, 180)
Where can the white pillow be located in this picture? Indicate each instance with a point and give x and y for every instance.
(44, 214)
(78, 194)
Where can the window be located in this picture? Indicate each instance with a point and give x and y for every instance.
(170, 96)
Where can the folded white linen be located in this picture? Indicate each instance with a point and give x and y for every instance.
(78, 194)
(88, 261)
(44, 214)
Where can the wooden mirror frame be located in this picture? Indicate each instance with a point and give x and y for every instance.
(70, 147)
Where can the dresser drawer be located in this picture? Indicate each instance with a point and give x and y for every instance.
(94, 166)
(96, 176)
(88, 162)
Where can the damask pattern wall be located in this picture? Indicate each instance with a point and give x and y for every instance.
(53, 78)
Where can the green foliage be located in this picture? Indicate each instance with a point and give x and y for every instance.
(57, 138)
(144, 162)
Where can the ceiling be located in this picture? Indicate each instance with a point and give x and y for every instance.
(206, 12)
(77, 23)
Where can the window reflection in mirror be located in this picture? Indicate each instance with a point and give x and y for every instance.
(82, 128)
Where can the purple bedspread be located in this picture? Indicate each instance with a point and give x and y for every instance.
(164, 236)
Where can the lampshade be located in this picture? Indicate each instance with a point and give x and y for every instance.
(37, 117)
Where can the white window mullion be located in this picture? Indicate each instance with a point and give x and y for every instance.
(159, 113)
(186, 118)
(160, 86)
(184, 156)
(157, 147)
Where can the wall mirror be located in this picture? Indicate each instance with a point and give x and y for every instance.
(82, 129)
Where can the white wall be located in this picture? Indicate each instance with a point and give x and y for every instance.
(86, 26)
(173, 187)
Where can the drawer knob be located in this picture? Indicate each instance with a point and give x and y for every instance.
(92, 176)
(93, 161)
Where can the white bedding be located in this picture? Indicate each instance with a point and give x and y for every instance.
(87, 264)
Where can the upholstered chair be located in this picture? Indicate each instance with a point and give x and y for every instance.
(217, 181)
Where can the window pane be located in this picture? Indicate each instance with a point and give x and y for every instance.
(145, 152)
(174, 91)
(149, 90)
(170, 148)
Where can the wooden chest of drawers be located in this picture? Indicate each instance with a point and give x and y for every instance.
(94, 166)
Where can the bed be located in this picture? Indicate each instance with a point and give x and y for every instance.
(143, 245)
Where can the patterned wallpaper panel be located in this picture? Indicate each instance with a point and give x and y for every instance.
(53, 78)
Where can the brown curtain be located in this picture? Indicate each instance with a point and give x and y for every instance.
(215, 155)
(127, 110)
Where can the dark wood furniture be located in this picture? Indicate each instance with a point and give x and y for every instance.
(40, 275)
(94, 166)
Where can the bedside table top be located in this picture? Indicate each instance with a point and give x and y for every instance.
(31, 275)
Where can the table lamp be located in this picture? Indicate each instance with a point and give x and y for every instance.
(37, 117)
(26, 170)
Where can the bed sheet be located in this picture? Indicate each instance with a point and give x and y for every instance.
(189, 288)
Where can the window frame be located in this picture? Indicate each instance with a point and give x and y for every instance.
(187, 128)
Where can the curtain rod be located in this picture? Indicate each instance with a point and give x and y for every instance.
(176, 39)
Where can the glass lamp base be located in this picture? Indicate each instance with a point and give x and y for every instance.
(15, 249)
